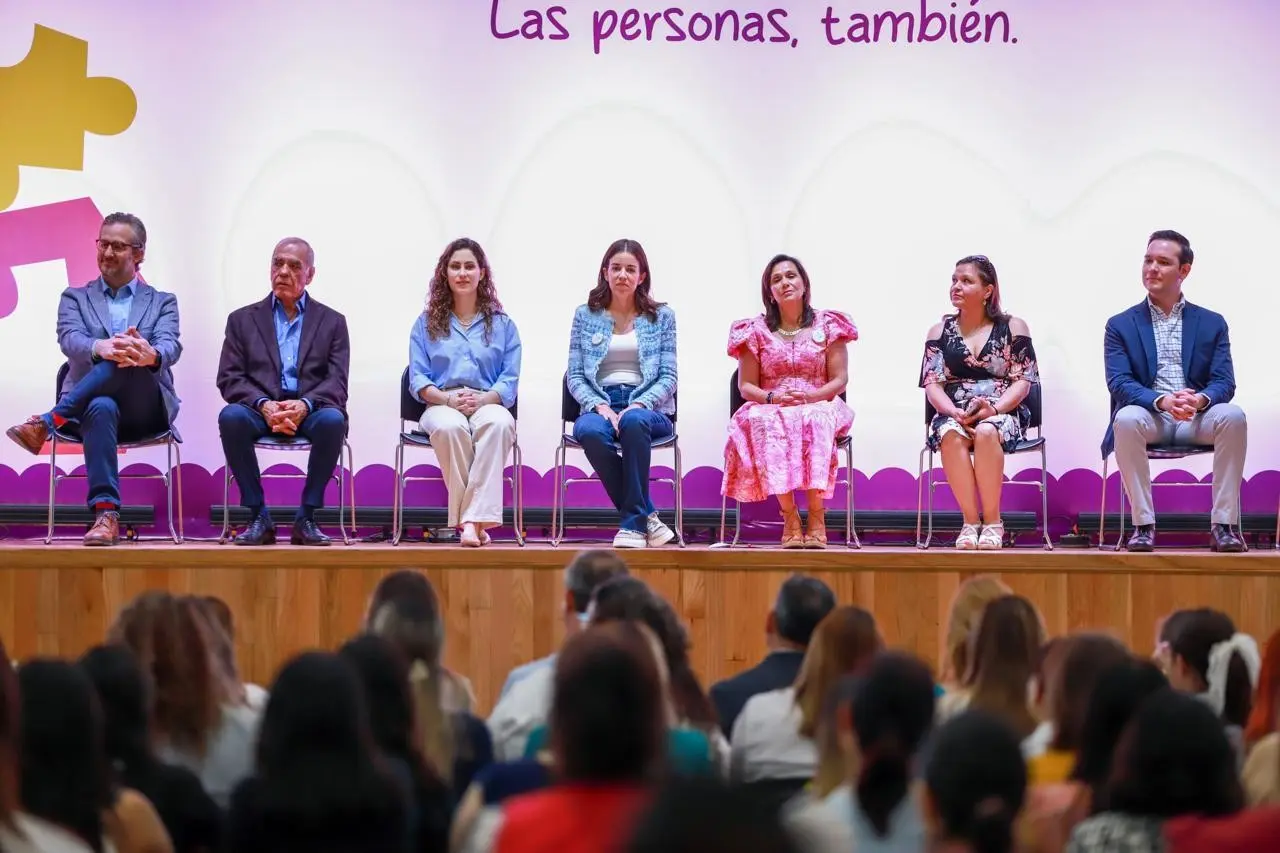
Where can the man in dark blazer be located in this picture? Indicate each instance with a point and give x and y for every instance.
(284, 371)
(120, 337)
(801, 604)
(1171, 380)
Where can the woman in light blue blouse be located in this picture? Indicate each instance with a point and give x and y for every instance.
(622, 372)
(464, 363)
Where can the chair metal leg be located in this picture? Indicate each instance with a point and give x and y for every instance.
(1044, 496)
(517, 492)
(349, 475)
(226, 504)
(1102, 513)
(724, 508)
(557, 495)
(679, 496)
(173, 483)
(53, 486)
(397, 497)
(920, 543)
(850, 529)
(928, 537)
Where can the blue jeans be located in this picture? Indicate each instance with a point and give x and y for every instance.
(626, 476)
(108, 405)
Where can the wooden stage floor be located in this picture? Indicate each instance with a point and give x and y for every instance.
(502, 602)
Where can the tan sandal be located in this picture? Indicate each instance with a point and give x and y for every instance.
(792, 531)
(816, 536)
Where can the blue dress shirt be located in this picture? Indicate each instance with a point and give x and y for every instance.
(465, 359)
(288, 338)
(119, 302)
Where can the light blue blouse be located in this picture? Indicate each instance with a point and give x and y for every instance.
(465, 359)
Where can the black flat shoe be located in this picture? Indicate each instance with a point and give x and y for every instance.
(305, 532)
(1143, 539)
(260, 532)
(1224, 540)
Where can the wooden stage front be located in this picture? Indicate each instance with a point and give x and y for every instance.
(502, 602)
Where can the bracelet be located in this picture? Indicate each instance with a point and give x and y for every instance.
(768, 398)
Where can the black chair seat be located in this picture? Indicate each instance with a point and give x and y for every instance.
(283, 442)
(1177, 451)
(157, 440)
(417, 438)
(1025, 444)
(843, 441)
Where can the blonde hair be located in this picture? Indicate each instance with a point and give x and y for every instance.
(966, 611)
(843, 641)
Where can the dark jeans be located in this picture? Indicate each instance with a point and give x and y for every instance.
(622, 460)
(109, 405)
(240, 426)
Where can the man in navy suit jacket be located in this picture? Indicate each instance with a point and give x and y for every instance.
(1171, 381)
(120, 337)
(801, 604)
(283, 371)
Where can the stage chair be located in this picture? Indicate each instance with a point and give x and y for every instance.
(844, 443)
(297, 443)
(172, 475)
(1156, 453)
(411, 409)
(569, 411)
(1026, 445)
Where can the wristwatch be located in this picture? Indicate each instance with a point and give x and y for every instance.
(768, 398)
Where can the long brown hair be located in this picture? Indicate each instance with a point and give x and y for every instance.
(174, 642)
(987, 273)
(1004, 652)
(601, 296)
(842, 643)
(440, 297)
(966, 611)
(10, 735)
(772, 315)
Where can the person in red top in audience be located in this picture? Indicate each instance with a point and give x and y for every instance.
(608, 739)
(1254, 831)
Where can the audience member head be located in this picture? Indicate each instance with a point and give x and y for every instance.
(842, 644)
(316, 756)
(1174, 759)
(624, 275)
(65, 774)
(584, 574)
(406, 612)
(1207, 656)
(974, 283)
(607, 717)
(1266, 700)
(704, 815)
(785, 282)
(975, 782)
(1003, 653)
(630, 599)
(892, 712)
(801, 604)
(1118, 692)
(966, 610)
(462, 270)
(222, 634)
(124, 695)
(838, 755)
(1084, 657)
(1045, 674)
(10, 738)
(176, 646)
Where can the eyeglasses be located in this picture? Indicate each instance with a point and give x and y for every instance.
(116, 246)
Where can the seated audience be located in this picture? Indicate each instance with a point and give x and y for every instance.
(979, 365)
(607, 732)
(1046, 672)
(773, 736)
(801, 604)
(319, 783)
(706, 816)
(1003, 653)
(65, 776)
(1262, 767)
(1253, 831)
(1173, 759)
(793, 365)
(970, 600)
(191, 817)
(220, 614)
(200, 719)
(975, 782)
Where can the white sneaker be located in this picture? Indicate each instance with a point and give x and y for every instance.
(658, 533)
(629, 539)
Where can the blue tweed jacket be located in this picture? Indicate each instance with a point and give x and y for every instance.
(589, 341)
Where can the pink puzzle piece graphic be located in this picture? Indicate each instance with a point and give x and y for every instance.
(62, 231)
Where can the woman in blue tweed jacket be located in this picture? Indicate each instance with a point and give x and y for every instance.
(622, 372)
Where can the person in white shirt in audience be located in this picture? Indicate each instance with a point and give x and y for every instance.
(801, 604)
(582, 576)
(773, 736)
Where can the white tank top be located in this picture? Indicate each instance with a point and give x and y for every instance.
(621, 365)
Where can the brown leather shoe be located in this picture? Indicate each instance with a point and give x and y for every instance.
(31, 435)
(105, 531)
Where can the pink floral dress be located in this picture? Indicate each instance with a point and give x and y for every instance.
(775, 449)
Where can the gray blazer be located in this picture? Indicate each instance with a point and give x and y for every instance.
(83, 319)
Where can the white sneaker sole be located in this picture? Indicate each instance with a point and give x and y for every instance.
(660, 539)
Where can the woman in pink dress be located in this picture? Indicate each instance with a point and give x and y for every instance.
(793, 364)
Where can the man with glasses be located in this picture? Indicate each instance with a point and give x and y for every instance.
(120, 337)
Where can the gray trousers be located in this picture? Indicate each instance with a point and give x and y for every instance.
(1222, 425)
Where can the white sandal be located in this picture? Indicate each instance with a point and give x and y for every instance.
(992, 538)
(968, 538)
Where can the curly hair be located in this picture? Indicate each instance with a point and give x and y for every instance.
(176, 646)
(440, 297)
(601, 296)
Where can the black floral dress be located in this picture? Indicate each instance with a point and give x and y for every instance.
(1003, 360)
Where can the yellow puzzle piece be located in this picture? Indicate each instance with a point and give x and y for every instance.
(48, 102)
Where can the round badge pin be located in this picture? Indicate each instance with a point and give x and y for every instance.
(597, 339)
(819, 336)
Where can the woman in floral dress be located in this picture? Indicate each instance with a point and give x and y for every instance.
(978, 368)
(792, 367)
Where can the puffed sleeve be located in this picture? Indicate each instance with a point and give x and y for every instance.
(839, 327)
(742, 335)
(1022, 360)
(933, 368)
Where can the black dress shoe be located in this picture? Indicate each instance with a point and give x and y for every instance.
(1143, 538)
(305, 532)
(260, 532)
(1225, 540)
